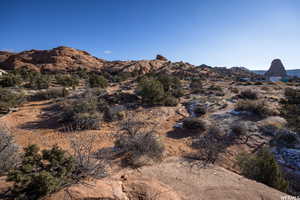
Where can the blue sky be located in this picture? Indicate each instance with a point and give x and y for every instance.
(246, 33)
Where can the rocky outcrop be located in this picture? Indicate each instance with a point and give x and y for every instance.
(57, 59)
(160, 57)
(173, 179)
(276, 69)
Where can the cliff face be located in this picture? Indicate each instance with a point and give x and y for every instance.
(276, 69)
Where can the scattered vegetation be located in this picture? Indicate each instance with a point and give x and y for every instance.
(50, 94)
(10, 99)
(39, 81)
(67, 80)
(10, 80)
(263, 168)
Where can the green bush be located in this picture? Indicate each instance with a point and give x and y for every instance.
(9, 99)
(41, 173)
(263, 168)
(151, 91)
(97, 81)
(171, 84)
(10, 80)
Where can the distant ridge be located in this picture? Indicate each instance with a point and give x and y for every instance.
(290, 72)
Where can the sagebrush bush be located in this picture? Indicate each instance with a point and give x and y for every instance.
(50, 94)
(9, 99)
(248, 94)
(97, 81)
(41, 173)
(194, 123)
(83, 113)
(9, 150)
(139, 146)
(257, 107)
(263, 168)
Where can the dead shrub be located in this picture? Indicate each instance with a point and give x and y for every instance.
(257, 107)
(248, 94)
(144, 147)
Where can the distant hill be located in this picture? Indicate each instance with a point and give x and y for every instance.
(290, 72)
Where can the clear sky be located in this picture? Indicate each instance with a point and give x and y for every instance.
(246, 33)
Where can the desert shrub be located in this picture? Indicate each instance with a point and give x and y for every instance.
(140, 146)
(86, 165)
(39, 82)
(248, 94)
(270, 125)
(151, 91)
(83, 113)
(9, 99)
(200, 110)
(41, 173)
(10, 80)
(114, 113)
(263, 168)
(170, 100)
(50, 94)
(239, 129)
(171, 84)
(123, 76)
(258, 83)
(259, 108)
(67, 80)
(9, 155)
(216, 88)
(196, 86)
(235, 90)
(292, 95)
(290, 108)
(210, 145)
(97, 81)
(194, 123)
(285, 138)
